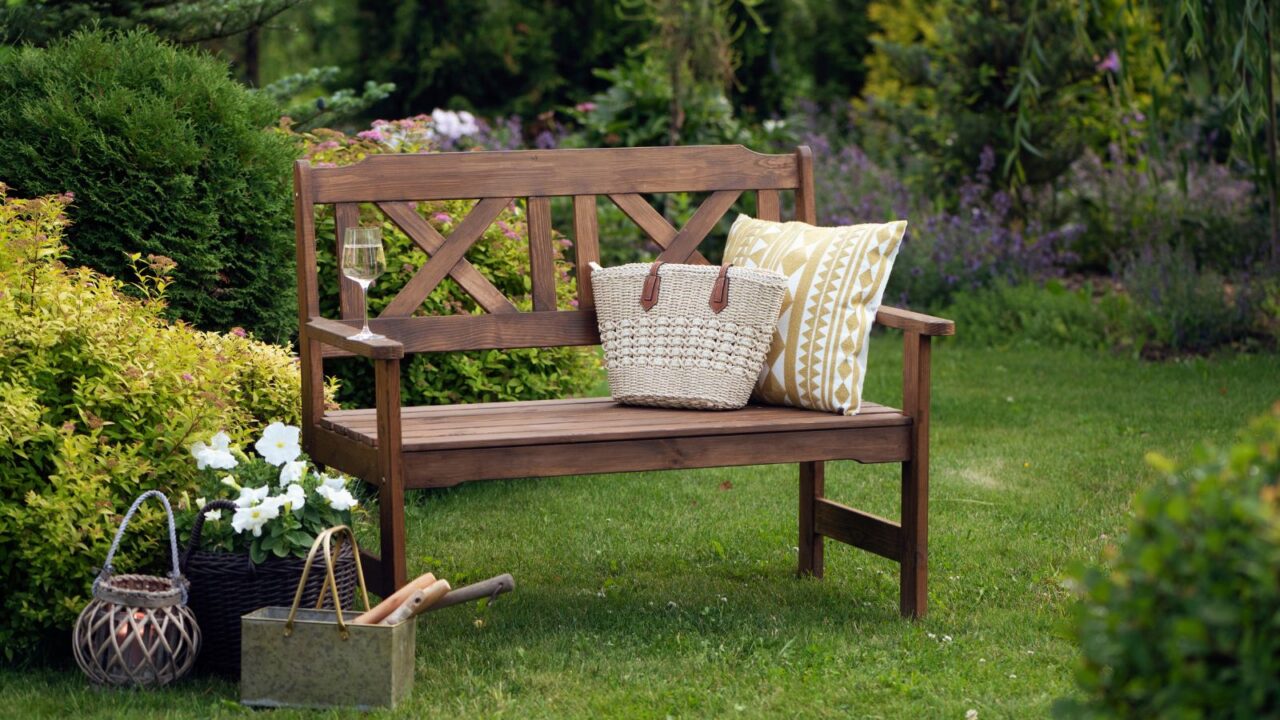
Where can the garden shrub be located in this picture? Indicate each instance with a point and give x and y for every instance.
(166, 155)
(501, 255)
(1129, 203)
(1182, 307)
(101, 397)
(978, 242)
(1048, 315)
(1183, 620)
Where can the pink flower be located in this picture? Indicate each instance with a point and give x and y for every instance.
(566, 242)
(238, 332)
(1111, 63)
(188, 377)
(370, 135)
(442, 217)
(573, 302)
(585, 107)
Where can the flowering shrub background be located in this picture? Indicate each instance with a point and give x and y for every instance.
(101, 397)
(282, 500)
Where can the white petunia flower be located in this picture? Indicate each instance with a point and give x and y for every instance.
(252, 496)
(294, 497)
(279, 444)
(292, 472)
(253, 518)
(333, 482)
(215, 454)
(213, 515)
(230, 482)
(339, 500)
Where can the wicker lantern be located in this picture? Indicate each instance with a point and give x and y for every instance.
(137, 630)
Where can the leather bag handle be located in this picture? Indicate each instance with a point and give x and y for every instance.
(653, 286)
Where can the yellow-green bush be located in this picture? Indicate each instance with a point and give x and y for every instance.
(101, 397)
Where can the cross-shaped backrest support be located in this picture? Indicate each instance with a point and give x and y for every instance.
(393, 183)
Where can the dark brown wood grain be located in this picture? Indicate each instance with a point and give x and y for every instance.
(522, 173)
(768, 205)
(430, 240)
(311, 359)
(508, 424)
(812, 487)
(914, 598)
(541, 254)
(446, 333)
(394, 570)
(338, 334)
(414, 292)
(914, 322)
(586, 238)
(444, 468)
(859, 529)
(806, 194)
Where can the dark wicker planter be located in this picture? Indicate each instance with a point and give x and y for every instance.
(225, 586)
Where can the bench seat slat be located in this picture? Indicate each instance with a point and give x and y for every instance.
(443, 468)
(488, 425)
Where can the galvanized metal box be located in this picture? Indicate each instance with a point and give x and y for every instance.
(295, 657)
(314, 666)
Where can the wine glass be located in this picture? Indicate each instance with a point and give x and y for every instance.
(363, 260)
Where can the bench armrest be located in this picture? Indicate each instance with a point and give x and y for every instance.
(338, 334)
(914, 322)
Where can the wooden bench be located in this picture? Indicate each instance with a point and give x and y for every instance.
(398, 449)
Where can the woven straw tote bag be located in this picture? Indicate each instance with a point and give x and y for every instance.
(685, 336)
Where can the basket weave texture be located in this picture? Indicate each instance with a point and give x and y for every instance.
(680, 353)
(225, 586)
(137, 631)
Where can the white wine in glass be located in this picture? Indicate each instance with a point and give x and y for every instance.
(363, 260)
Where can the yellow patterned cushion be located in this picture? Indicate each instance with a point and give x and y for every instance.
(836, 277)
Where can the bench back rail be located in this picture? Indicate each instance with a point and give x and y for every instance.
(394, 183)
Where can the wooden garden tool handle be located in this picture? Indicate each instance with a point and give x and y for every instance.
(395, 600)
(417, 602)
(492, 587)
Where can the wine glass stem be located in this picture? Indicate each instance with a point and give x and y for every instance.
(364, 302)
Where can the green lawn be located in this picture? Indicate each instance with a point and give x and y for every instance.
(659, 594)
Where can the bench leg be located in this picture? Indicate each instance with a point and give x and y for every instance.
(811, 482)
(393, 569)
(913, 596)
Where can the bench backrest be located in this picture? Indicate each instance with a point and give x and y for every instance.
(394, 182)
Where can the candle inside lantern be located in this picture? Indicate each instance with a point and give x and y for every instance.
(133, 637)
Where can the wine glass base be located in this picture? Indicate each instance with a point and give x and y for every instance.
(362, 335)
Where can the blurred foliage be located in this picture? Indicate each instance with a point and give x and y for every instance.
(1181, 619)
(166, 154)
(945, 75)
(1182, 306)
(292, 94)
(43, 21)
(1048, 315)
